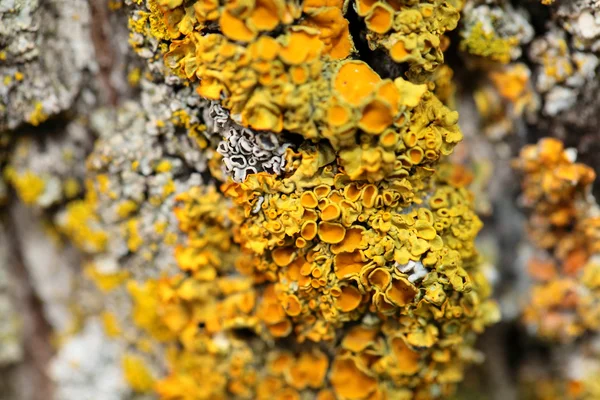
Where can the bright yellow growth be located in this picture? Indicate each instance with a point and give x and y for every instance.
(81, 224)
(484, 43)
(410, 32)
(111, 325)
(364, 240)
(106, 281)
(38, 115)
(565, 227)
(137, 374)
(28, 185)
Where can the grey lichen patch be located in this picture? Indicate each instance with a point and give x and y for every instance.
(582, 19)
(49, 170)
(562, 72)
(46, 57)
(146, 27)
(87, 367)
(567, 64)
(142, 159)
(494, 30)
(245, 151)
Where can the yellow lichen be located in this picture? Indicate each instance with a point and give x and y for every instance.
(484, 43)
(115, 5)
(359, 224)
(81, 224)
(134, 76)
(411, 33)
(137, 374)
(564, 227)
(38, 115)
(28, 185)
(106, 281)
(111, 325)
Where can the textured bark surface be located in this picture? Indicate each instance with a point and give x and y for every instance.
(84, 97)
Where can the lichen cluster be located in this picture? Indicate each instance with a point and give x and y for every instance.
(229, 311)
(266, 199)
(564, 228)
(338, 259)
(410, 32)
(564, 225)
(540, 78)
(494, 30)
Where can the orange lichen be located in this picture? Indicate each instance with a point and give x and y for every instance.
(331, 232)
(235, 28)
(348, 299)
(407, 359)
(401, 292)
(348, 95)
(355, 81)
(309, 370)
(357, 241)
(563, 227)
(359, 338)
(377, 116)
(410, 33)
(380, 18)
(334, 31)
(363, 253)
(350, 382)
